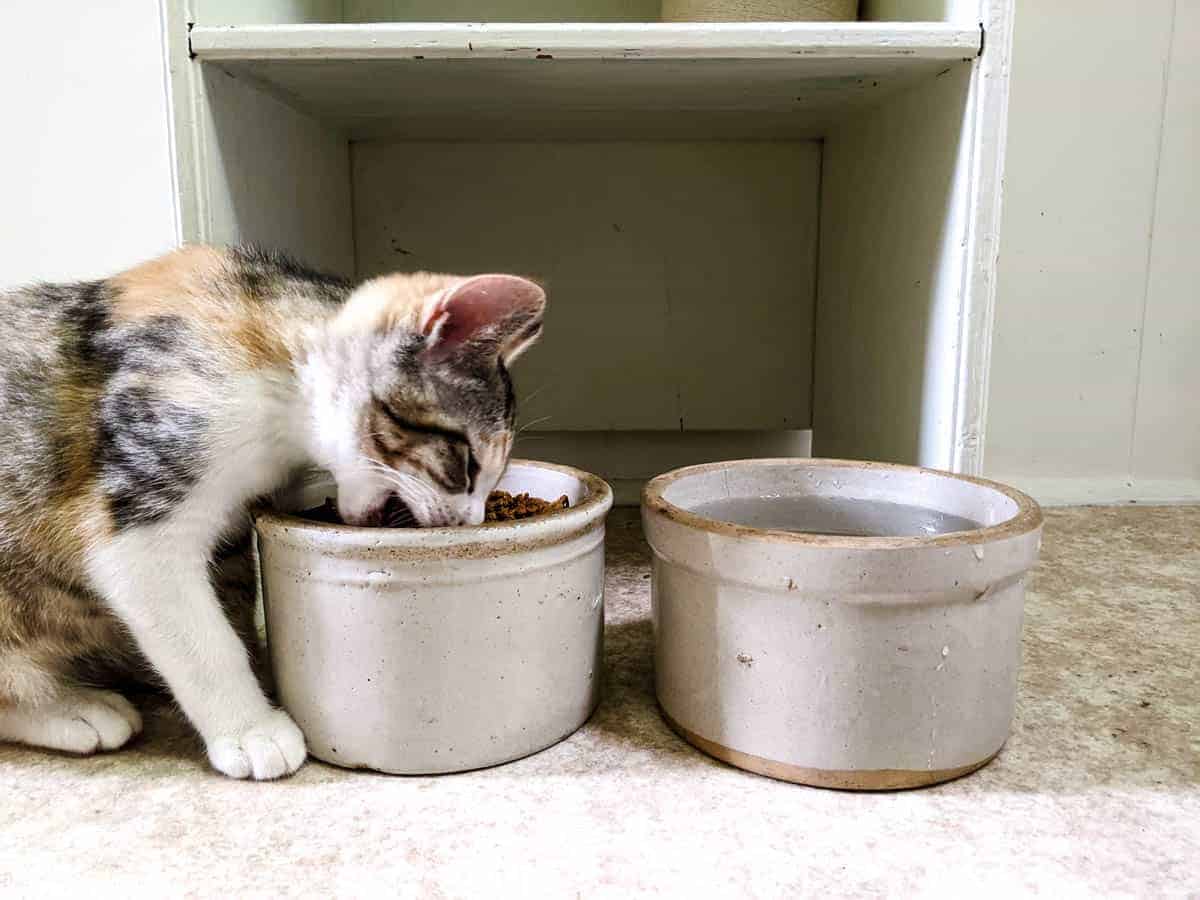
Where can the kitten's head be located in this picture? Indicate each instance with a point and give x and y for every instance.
(420, 407)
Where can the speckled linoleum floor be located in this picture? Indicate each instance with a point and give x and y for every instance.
(1097, 792)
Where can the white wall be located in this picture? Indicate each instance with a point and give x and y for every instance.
(1095, 381)
(1166, 432)
(85, 158)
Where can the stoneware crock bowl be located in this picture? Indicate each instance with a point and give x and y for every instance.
(421, 651)
(882, 655)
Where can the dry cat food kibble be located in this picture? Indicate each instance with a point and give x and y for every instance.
(501, 507)
(504, 507)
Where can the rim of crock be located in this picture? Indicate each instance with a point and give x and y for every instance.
(595, 504)
(1028, 517)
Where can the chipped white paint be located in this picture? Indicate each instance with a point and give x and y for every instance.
(984, 134)
(467, 40)
(559, 81)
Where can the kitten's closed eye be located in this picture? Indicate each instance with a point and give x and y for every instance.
(472, 470)
(442, 454)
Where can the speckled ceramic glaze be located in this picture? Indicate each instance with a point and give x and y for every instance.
(438, 649)
(854, 662)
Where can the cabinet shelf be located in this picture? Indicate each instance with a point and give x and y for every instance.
(550, 80)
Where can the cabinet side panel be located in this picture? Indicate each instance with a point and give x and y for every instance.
(272, 175)
(893, 199)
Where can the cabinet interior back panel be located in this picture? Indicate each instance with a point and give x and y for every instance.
(265, 12)
(221, 12)
(681, 275)
(500, 11)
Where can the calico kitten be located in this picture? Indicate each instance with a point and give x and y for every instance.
(141, 413)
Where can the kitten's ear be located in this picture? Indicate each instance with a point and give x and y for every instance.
(485, 313)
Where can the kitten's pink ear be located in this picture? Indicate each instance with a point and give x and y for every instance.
(497, 313)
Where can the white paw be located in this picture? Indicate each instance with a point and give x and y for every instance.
(270, 748)
(83, 721)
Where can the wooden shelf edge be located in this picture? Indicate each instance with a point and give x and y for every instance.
(548, 40)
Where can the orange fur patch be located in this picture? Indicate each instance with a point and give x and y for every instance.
(263, 345)
(61, 534)
(168, 285)
(195, 284)
(77, 515)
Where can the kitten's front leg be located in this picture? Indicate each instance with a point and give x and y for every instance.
(161, 590)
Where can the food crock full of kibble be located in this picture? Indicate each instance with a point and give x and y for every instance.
(501, 507)
(141, 413)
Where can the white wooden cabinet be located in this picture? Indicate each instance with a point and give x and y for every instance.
(752, 233)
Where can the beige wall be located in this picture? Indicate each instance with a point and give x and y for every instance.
(85, 159)
(1095, 382)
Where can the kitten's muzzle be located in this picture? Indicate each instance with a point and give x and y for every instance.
(393, 512)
